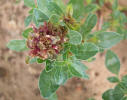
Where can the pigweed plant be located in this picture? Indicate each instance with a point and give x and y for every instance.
(63, 35)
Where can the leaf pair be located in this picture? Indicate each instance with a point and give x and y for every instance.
(50, 81)
(44, 10)
(119, 92)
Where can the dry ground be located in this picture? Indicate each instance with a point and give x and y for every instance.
(19, 81)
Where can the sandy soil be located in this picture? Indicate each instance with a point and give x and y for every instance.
(19, 81)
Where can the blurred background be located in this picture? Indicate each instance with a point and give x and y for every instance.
(19, 81)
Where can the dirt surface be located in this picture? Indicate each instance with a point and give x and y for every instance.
(19, 81)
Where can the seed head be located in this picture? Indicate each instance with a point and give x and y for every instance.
(47, 41)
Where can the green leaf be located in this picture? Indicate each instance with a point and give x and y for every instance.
(26, 33)
(91, 59)
(112, 62)
(42, 5)
(54, 8)
(124, 98)
(88, 1)
(31, 11)
(124, 79)
(53, 97)
(121, 87)
(105, 26)
(40, 17)
(54, 19)
(113, 79)
(69, 9)
(78, 8)
(101, 2)
(115, 5)
(112, 94)
(49, 65)
(36, 22)
(91, 99)
(78, 69)
(89, 24)
(60, 3)
(17, 45)
(108, 39)
(29, 3)
(84, 51)
(91, 8)
(28, 20)
(50, 81)
(74, 37)
(39, 60)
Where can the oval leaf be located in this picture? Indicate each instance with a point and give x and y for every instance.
(84, 51)
(113, 79)
(112, 94)
(78, 69)
(74, 37)
(17, 45)
(112, 62)
(89, 24)
(108, 39)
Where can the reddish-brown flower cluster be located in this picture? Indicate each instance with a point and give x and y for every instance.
(47, 40)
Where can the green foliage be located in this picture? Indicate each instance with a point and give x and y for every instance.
(50, 81)
(124, 79)
(75, 37)
(49, 65)
(108, 39)
(112, 62)
(91, 99)
(28, 20)
(53, 97)
(76, 20)
(54, 8)
(26, 33)
(89, 24)
(39, 60)
(17, 45)
(40, 17)
(54, 19)
(42, 5)
(84, 51)
(115, 5)
(113, 94)
(91, 8)
(78, 7)
(113, 79)
(29, 3)
(124, 98)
